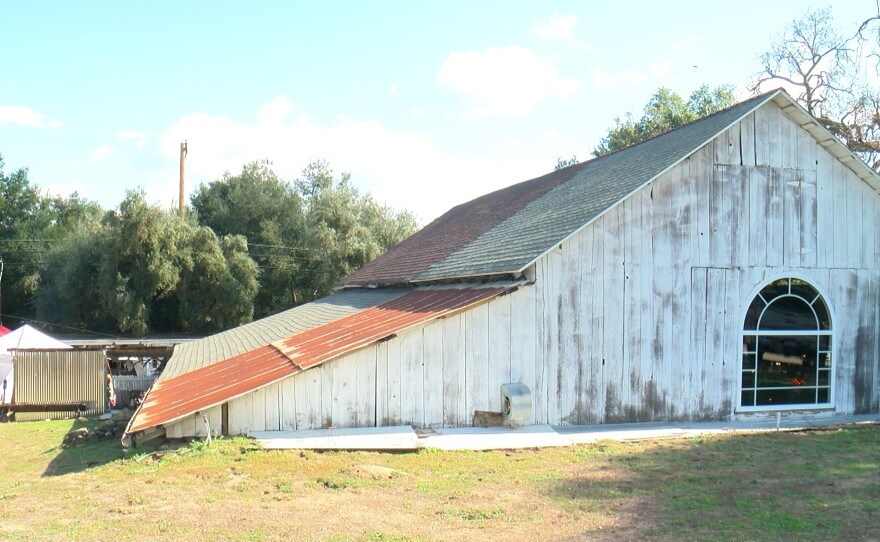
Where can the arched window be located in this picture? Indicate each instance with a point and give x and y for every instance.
(787, 347)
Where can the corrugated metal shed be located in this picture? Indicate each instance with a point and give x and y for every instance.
(173, 398)
(45, 377)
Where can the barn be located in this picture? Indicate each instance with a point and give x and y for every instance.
(724, 270)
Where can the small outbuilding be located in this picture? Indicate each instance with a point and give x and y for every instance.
(25, 337)
(724, 270)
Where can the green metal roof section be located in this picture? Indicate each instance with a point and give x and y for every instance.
(595, 187)
(203, 352)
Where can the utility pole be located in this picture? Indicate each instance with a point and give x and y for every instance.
(182, 157)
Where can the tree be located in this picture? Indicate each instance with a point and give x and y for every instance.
(665, 111)
(268, 212)
(141, 269)
(306, 235)
(344, 229)
(218, 282)
(30, 224)
(828, 73)
(562, 163)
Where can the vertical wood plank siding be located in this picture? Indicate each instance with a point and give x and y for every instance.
(638, 317)
(60, 376)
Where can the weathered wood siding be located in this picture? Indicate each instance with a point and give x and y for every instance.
(638, 316)
(665, 277)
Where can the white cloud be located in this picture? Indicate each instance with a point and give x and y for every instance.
(65, 190)
(685, 42)
(383, 162)
(508, 81)
(603, 78)
(25, 116)
(142, 139)
(552, 136)
(275, 111)
(557, 26)
(394, 90)
(660, 68)
(101, 153)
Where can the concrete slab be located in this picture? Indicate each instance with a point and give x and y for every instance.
(533, 436)
(495, 438)
(361, 438)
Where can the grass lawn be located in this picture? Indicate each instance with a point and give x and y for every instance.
(813, 485)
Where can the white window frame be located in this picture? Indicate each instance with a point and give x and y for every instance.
(788, 333)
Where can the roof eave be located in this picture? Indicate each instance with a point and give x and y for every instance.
(827, 140)
(767, 98)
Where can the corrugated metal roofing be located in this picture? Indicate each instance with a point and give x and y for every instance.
(196, 354)
(504, 232)
(172, 398)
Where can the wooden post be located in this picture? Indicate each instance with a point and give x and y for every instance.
(182, 157)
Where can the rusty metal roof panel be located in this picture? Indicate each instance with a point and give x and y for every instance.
(326, 342)
(173, 398)
(196, 354)
(213, 384)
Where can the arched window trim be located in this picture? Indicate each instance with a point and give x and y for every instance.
(821, 294)
(777, 298)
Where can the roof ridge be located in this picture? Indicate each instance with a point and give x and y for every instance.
(756, 98)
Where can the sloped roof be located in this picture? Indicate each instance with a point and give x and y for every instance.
(194, 355)
(505, 231)
(367, 319)
(28, 337)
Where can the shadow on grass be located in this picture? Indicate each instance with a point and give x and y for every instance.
(807, 485)
(82, 455)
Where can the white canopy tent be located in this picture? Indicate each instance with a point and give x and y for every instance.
(23, 337)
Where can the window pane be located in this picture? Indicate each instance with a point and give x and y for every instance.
(749, 362)
(786, 361)
(748, 398)
(775, 289)
(824, 395)
(803, 289)
(797, 396)
(825, 343)
(748, 379)
(822, 313)
(788, 313)
(753, 313)
(825, 361)
(824, 377)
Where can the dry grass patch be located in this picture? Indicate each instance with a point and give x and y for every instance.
(815, 485)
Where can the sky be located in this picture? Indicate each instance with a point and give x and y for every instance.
(426, 105)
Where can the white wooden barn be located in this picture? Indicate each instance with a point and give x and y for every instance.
(723, 270)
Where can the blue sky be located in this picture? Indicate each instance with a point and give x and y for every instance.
(427, 105)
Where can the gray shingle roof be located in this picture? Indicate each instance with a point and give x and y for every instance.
(505, 231)
(203, 352)
(593, 188)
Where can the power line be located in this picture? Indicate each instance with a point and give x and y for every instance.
(32, 320)
(261, 245)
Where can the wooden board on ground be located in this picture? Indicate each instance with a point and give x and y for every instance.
(360, 438)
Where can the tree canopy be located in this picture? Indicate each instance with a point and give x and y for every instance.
(29, 225)
(665, 111)
(305, 235)
(254, 245)
(141, 269)
(829, 73)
